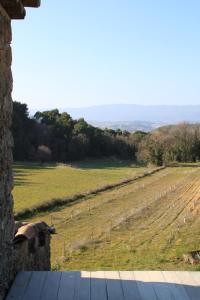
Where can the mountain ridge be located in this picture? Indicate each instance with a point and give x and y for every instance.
(133, 117)
(134, 112)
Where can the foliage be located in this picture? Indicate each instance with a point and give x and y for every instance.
(24, 132)
(66, 139)
(177, 143)
(43, 153)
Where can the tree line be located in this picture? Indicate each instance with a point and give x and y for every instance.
(174, 143)
(54, 136)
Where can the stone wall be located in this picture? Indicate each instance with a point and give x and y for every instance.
(6, 201)
(31, 250)
(27, 247)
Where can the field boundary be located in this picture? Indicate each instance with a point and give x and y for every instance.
(59, 202)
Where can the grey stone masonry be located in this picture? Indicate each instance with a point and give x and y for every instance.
(6, 201)
(13, 257)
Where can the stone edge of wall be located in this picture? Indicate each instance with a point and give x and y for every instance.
(6, 202)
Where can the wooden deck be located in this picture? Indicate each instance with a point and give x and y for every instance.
(140, 285)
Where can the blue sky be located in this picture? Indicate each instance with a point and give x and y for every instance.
(82, 53)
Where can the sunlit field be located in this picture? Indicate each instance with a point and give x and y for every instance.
(35, 184)
(147, 224)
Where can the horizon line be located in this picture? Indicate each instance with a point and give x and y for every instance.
(114, 104)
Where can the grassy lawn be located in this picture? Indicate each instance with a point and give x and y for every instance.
(35, 184)
(147, 224)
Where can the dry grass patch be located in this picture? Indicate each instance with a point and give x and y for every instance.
(143, 225)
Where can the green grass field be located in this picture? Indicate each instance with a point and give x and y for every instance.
(35, 184)
(147, 224)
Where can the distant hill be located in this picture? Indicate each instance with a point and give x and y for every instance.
(133, 117)
(128, 126)
(167, 114)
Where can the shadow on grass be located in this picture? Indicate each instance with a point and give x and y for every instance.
(22, 182)
(106, 164)
(111, 163)
(20, 171)
(20, 166)
(184, 165)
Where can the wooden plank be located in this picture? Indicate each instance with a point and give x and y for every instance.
(146, 289)
(160, 286)
(98, 286)
(35, 286)
(82, 289)
(51, 286)
(31, 3)
(129, 286)
(191, 286)
(196, 276)
(14, 8)
(177, 289)
(114, 286)
(141, 285)
(67, 285)
(19, 286)
(186, 278)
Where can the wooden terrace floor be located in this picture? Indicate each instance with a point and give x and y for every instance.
(112, 285)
